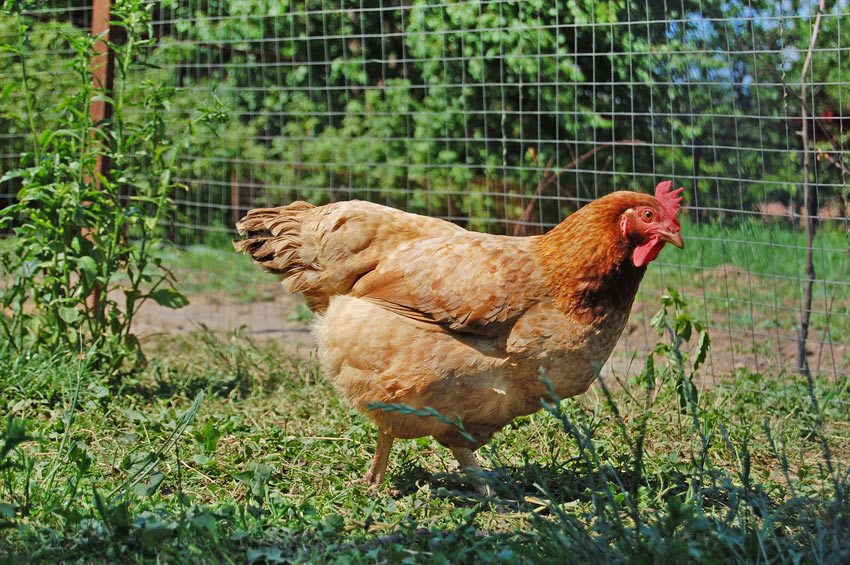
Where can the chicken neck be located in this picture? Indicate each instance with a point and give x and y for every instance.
(587, 264)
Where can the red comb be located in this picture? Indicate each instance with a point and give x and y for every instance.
(668, 199)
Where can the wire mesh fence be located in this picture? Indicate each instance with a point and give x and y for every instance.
(506, 116)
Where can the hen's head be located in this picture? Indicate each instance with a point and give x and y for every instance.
(617, 228)
(648, 223)
(596, 257)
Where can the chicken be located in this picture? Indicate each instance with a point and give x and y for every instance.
(418, 311)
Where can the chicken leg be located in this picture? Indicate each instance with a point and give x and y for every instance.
(470, 465)
(375, 475)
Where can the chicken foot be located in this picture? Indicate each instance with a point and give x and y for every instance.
(375, 475)
(470, 465)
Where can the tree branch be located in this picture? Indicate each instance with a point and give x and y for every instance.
(549, 177)
(808, 204)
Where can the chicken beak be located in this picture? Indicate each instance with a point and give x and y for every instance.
(674, 237)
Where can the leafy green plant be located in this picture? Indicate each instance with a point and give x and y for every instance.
(680, 326)
(11, 437)
(302, 314)
(209, 496)
(84, 257)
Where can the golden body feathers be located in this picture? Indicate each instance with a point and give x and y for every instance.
(418, 311)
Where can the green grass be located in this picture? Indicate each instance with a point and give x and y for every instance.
(219, 272)
(751, 277)
(761, 248)
(260, 470)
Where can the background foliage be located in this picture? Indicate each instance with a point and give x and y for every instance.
(457, 109)
(86, 251)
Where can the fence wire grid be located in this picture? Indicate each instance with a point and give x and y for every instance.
(506, 116)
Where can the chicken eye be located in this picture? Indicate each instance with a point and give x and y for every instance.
(647, 215)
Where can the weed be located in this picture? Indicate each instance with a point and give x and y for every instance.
(85, 237)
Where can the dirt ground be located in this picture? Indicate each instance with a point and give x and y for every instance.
(266, 320)
(772, 351)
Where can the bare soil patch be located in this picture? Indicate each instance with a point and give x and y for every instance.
(269, 319)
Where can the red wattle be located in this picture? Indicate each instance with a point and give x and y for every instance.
(647, 252)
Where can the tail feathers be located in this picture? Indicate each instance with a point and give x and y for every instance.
(272, 237)
(323, 251)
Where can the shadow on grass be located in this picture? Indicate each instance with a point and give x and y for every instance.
(563, 484)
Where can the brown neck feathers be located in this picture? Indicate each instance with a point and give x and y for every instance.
(587, 260)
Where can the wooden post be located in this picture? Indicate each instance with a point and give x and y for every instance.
(235, 213)
(103, 74)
